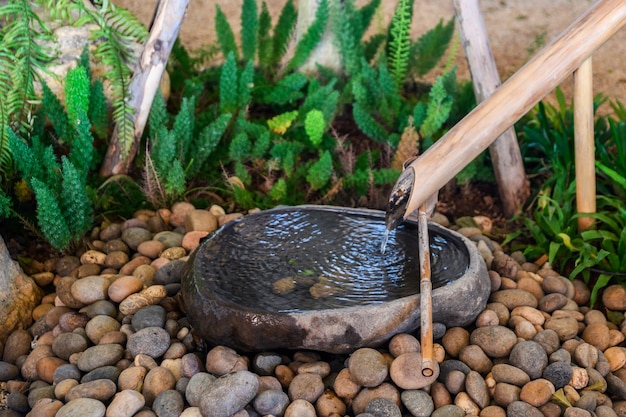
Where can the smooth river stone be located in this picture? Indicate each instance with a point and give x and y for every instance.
(530, 357)
(157, 380)
(368, 367)
(99, 326)
(100, 355)
(509, 374)
(126, 403)
(149, 316)
(169, 403)
(90, 289)
(495, 341)
(151, 341)
(307, 387)
(84, 407)
(230, 393)
(100, 389)
(513, 298)
(418, 402)
(123, 287)
(406, 371)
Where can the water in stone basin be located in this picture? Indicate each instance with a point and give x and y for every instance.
(300, 259)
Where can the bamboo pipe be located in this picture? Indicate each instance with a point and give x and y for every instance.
(472, 135)
(584, 144)
(426, 294)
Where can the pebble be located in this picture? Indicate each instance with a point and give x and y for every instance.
(614, 297)
(100, 355)
(406, 372)
(383, 407)
(100, 389)
(300, 408)
(230, 393)
(84, 407)
(151, 341)
(418, 402)
(149, 316)
(125, 404)
(169, 403)
(530, 357)
(558, 373)
(495, 341)
(476, 388)
(307, 387)
(368, 367)
(133, 236)
(522, 409)
(195, 388)
(455, 339)
(384, 390)
(90, 289)
(449, 410)
(272, 402)
(537, 392)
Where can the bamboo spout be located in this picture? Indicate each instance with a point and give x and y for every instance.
(426, 295)
(472, 135)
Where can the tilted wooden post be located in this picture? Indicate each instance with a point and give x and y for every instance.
(145, 82)
(506, 157)
(552, 65)
(584, 144)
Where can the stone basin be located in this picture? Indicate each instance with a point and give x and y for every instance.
(313, 277)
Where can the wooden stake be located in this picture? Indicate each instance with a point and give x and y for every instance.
(513, 185)
(145, 82)
(472, 135)
(426, 294)
(584, 144)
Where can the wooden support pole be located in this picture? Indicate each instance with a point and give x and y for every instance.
(145, 83)
(551, 66)
(506, 157)
(426, 294)
(584, 144)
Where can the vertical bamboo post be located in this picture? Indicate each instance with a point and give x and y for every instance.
(513, 185)
(426, 294)
(584, 143)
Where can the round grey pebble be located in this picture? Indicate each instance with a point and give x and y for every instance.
(181, 385)
(448, 410)
(84, 407)
(522, 409)
(559, 373)
(100, 355)
(265, 363)
(616, 387)
(450, 365)
(587, 401)
(66, 344)
(605, 411)
(39, 393)
(271, 402)
(66, 371)
(548, 339)
(229, 394)
(196, 387)
(151, 341)
(149, 316)
(382, 407)
(170, 273)
(561, 355)
(418, 402)
(576, 412)
(169, 403)
(133, 236)
(368, 367)
(191, 364)
(530, 357)
(100, 308)
(8, 371)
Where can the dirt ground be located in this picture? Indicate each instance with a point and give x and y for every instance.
(517, 29)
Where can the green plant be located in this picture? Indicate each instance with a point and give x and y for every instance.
(64, 210)
(23, 58)
(595, 255)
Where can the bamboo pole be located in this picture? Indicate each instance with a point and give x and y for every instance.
(472, 135)
(426, 294)
(584, 144)
(513, 185)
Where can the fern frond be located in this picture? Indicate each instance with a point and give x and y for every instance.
(207, 141)
(264, 38)
(175, 180)
(228, 85)
(239, 148)
(324, 98)
(372, 46)
(261, 146)
(315, 126)
(430, 47)
(349, 45)
(225, 35)
(400, 42)
(249, 29)
(287, 90)
(282, 32)
(368, 125)
(364, 16)
(98, 113)
(74, 201)
(320, 172)
(50, 217)
(77, 89)
(183, 128)
(82, 151)
(246, 83)
(440, 101)
(311, 38)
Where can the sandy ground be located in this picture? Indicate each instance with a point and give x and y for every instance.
(517, 29)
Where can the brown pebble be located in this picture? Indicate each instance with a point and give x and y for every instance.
(514, 298)
(403, 343)
(151, 248)
(597, 334)
(537, 392)
(504, 394)
(487, 318)
(222, 360)
(130, 267)
(492, 411)
(440, 394)
(116, 259)
(329, 405)
(124, 286)
(284, 374)
(581, 292)
(406, 371)
(532, 286)
(614, 297)
(616, 357)
(41, 310)
(455, 339)
(46, 367)
(132, 378)
(191, 240)
(501, 310)
(345, 386)
(474, 357)
(384, 390)
(150, 296)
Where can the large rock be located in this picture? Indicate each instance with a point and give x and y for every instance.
(218, 318)
(19, 295)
